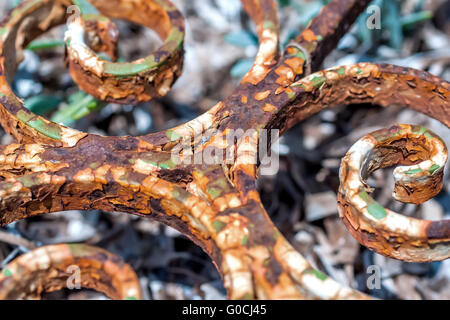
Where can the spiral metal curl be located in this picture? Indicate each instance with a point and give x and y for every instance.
(55, 168)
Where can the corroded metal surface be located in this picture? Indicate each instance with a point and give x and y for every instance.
(193, 177)
(422, 155)
(54, 267)
(125, 82)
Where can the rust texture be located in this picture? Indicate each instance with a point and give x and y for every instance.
(55, 267)
(168, 177)
(422, 155)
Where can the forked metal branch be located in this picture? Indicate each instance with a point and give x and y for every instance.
(193, 177)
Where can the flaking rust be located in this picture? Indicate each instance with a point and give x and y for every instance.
(422, 156)
(50, 268)
(54, 168)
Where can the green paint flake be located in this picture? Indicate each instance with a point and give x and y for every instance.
(214, 192)
(296, 85)
(94, 165)
(428, 135)
(319, 275)
(175, 194)
(45, 44)
(175, 36)
(95, 17)
(44, 128)
(318, 81)
(166, 164)
(153, 163)
(174, 42)
(218, 225)
(131, 298)
(269, 25)
(358, 71)
(24, 116)
(300, 54)
(28, 181)
(376, 210)
(77, 249)
(341, 71)
(7, 272)
(433, 168)
(291, 95)
(266, 262)
(319, 38)
(123, 70)
(85, 7)
(413, 171)
(49, 130)
(173, 136)
(127, 69)
(364, 196)
(3, 31)
(244, 240)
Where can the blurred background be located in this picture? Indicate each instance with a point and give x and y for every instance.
(220, 45)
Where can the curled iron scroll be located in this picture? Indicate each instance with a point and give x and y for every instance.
(56, 168)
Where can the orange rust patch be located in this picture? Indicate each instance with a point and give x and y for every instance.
(279, 90)
(252, 195)
(58, 180)
(284, 71)
(308, 35)
(244, 99)
(269, 108)
(291, 50)
(296, 64)
(286, 75)
(145, 146)
(84, 176)
(249, 169)
(256, 74)
(200, 180)
(262, 95)
(100, 173)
